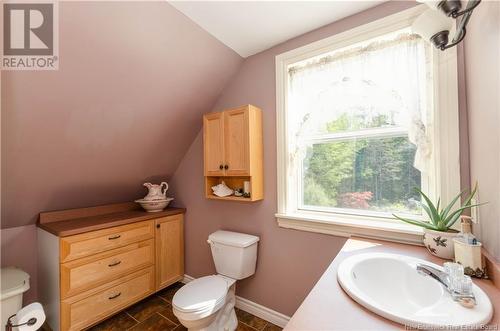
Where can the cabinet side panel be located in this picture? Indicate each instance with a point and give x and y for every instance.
(48, 276)
(256, 153)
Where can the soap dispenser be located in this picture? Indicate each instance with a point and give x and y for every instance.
(468, 250)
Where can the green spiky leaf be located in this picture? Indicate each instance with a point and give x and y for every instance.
(441, 219)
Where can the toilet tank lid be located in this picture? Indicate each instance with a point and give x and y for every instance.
(14, 281)
(235, 239)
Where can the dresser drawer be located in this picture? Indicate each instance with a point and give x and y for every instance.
(90, 307)
(82, 274)
(85, 244)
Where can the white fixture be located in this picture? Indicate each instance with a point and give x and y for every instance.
(207, 303)
(14, 283)
(432, 26)
(430, 23)
(29, 318)
(390, 286)
(433, 4)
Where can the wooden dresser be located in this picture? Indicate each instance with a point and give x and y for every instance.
(96, 261)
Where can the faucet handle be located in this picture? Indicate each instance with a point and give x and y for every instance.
(462, 285)
(453, 269)
(461, 291)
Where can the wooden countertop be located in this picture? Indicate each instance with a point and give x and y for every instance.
(65, 223)
(328, 307)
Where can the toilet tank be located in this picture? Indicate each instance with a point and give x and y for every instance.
(234, 253)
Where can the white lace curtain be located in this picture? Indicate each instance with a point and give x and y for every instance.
(389, 76)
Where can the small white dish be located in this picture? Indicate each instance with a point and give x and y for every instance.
(222, 190)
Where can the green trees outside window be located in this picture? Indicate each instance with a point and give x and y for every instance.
(361, 173)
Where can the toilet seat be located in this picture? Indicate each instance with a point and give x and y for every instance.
(201, 297)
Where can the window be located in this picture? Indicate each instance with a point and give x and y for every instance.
(358, 129)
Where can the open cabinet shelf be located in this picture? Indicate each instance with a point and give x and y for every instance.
(233, 151)
(233, 183)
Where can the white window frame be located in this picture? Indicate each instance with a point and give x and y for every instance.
(443, 181)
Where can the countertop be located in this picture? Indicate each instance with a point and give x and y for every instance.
(76, 221)
(328, 307)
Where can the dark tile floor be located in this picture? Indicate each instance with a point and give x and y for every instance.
(155, 314)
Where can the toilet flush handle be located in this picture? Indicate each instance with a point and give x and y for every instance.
(210, 242)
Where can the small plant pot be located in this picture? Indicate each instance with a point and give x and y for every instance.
(440, 243)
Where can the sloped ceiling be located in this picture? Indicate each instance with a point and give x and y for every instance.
(250, 27)
(124, 106)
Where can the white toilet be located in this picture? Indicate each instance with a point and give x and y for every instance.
(14, 283)
(207, 303)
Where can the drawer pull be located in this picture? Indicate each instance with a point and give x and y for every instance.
(114, 237)
(115, 296)
(114, 264)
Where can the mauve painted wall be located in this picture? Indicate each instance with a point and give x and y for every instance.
(125, 105)
(482, 66)
(289, 261)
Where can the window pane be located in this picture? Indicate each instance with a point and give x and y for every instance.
(374, 174)
(383, 83)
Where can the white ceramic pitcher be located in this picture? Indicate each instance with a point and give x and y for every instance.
(156, 192)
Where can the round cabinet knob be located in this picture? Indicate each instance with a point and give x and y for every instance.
(226, 167)
(221, 167)
(157, 226)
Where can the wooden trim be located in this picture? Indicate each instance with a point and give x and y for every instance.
(67, 214)
(256, 150)
(70, 227)
(230, 198)
(348, 227)
(492, 268)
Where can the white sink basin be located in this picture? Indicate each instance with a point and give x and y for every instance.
(390, 286)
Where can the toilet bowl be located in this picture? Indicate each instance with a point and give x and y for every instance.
(207, 303)
(14, 282)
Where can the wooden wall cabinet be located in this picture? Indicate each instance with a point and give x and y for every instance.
(104, 259)
(233, 151)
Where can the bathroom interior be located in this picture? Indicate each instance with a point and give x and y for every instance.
(250, 165)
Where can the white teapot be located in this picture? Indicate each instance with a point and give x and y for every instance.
(156, 192)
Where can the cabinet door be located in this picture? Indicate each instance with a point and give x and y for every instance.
(213, 143)
(236, 149)
(169, 250)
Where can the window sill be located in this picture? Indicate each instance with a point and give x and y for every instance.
(348, 226)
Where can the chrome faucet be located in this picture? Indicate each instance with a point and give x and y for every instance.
(465, 299)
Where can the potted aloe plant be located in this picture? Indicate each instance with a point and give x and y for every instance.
(438, 234)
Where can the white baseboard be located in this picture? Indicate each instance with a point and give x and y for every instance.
(187, 279)
(253, 308)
